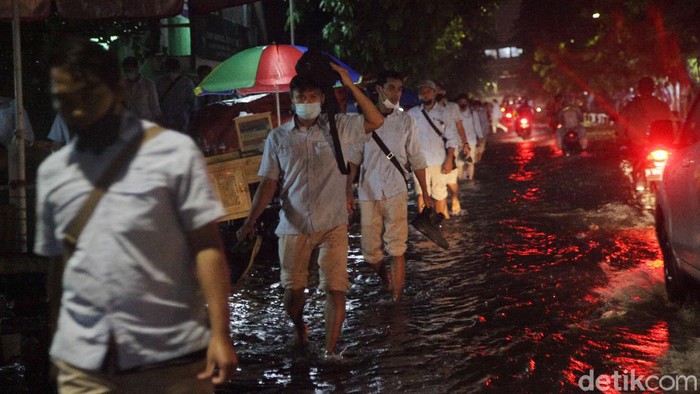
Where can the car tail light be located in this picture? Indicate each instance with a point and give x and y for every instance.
(658, 155)
(524, 122)
(509, 115)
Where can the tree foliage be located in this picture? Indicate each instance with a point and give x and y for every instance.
(571, 50)
(423, 39)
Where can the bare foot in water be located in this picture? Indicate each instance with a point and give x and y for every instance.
(383, 275)
(301, 338)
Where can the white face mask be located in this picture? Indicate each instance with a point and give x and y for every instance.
(307, 111)
(386, 102)
(389, 105)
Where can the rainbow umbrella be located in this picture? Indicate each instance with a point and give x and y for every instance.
(261, 69)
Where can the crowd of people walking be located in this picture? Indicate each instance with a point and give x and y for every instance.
(129, 220)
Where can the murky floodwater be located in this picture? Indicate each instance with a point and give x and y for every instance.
(550, 274)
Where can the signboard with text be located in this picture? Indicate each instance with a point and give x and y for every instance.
(214, 38)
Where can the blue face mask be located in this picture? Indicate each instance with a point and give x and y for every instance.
(307, 111)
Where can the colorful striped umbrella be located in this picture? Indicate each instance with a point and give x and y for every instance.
(261, 69)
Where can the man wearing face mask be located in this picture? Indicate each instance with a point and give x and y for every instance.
(128, 289)
(453, 111)
(439, 142)
(382, 190)
(140, 96)
(299, 157)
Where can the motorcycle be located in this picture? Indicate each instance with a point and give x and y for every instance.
(508, 117)
(523, 126)
(570, 143)
(645, 168)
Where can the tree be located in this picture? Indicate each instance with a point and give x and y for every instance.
(422, 39)
(605, 47)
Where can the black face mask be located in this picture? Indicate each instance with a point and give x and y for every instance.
(100, 135)
(439, 97)
(427, 102)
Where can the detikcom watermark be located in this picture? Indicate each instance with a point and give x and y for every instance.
(628, 380)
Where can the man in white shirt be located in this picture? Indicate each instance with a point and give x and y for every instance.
(452, 110)
(132, 292)
(473, 131)
(439, 142)
(382, 190)
(299, 158)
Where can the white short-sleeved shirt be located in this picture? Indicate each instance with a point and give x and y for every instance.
(432, 145)
(132, 275)
(472, 126)
(379, 177)
(302, 160)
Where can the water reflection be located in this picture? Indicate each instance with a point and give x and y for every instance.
(544, 281)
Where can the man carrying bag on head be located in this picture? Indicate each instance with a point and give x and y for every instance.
(301, 158)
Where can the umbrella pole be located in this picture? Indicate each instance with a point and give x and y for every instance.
(18, 191)
(291, 21)
(277, 102)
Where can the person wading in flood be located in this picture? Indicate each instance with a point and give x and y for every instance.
(299, 157)
(439, 141)
(452, 110)
(382, 191)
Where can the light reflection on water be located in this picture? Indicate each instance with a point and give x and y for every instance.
(533, 293)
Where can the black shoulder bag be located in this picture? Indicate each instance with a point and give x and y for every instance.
(389, 155)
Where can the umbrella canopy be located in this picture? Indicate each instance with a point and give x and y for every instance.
(261, 69)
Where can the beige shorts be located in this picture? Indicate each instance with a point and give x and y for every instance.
(437, 183)
(454, 175)
(389, 217)
(177, 379)
(295, 254)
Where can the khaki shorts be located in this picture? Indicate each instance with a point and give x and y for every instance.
(437, 183)
(295, 254)
(176, 379)
(454, 175)
(389, 216)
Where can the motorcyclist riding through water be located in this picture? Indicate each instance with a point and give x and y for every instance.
(644, 160)
(570, 117)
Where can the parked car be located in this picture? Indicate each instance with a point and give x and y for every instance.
(678, 210)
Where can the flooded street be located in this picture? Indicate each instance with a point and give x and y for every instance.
(551, 273)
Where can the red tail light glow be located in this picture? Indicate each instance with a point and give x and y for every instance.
(509, 115)
(658, 155)
(524, 122)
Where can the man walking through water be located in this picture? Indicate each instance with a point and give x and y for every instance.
(382, 191)
(439, 142)
(299, 157)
